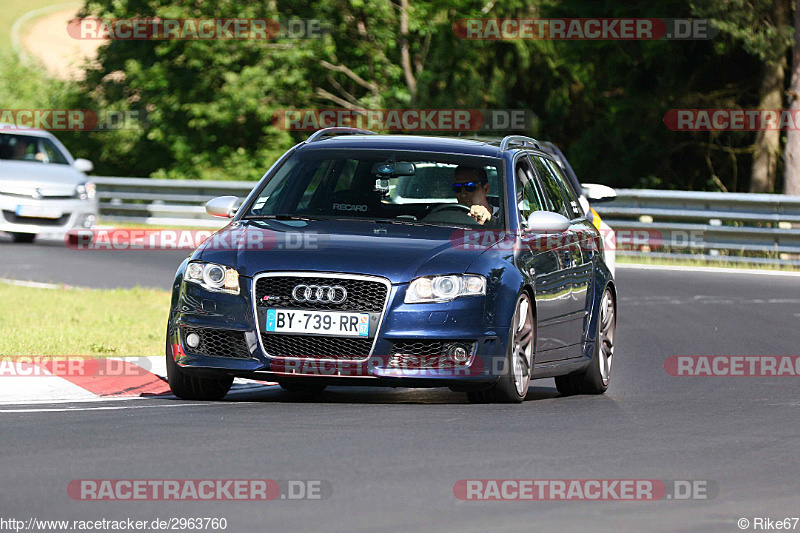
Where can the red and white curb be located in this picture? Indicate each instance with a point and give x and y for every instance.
(37, 380)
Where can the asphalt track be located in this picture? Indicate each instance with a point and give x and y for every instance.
(392, 456)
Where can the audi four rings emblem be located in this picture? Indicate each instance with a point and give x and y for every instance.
(320, 294)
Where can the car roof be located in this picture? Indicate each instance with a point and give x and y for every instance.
(413, 143)
(34, 132)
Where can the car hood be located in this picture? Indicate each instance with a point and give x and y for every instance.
(23, 177)
(397, 252)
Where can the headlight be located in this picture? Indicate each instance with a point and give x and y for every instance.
(213, 277)
(444, 288)
(86, 191)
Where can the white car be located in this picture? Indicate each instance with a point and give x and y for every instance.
(43, 189)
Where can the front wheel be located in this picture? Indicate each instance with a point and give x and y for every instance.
(512, 387)
(192, 387)
(598, 375)
(26, 238)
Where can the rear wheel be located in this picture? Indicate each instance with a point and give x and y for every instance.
(597, 376)
(512, 387)
(192, 387)
(26, 238)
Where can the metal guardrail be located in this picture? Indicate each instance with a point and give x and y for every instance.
(163, 202)
(737, 227)
(751, 228)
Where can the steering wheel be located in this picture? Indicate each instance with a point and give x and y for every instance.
(444, 207)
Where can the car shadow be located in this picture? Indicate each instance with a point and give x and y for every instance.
(372, 395)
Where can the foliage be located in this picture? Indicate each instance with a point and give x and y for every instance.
(210, 104)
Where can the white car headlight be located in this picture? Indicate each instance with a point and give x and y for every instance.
(444, 288)
(86, 190)
(213, 277)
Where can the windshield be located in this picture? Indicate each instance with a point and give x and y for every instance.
(385, 185)
(30, 148)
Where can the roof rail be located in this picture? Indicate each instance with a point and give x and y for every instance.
(332, 132)
(518, 139)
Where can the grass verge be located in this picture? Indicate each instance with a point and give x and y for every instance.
(85, 322)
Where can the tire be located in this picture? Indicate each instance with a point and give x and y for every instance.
(73, 239)
(296, 386)
(512, 387)
(25, 238)
(192, 387)
(569, 385)
(480, 396)
(596, 378)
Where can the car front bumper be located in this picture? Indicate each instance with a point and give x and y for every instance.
(413, 344)
(61, 215)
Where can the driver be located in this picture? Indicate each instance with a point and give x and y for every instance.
(20, 149)
(471, 187)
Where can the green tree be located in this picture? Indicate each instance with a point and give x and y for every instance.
(762, 27)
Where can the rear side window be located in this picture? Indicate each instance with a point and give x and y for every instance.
(529, 198)
(571, 196)
(553, 191)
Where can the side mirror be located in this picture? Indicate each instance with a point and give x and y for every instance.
(222, 206)
(83, 165)
(547, 222)
(598, 193)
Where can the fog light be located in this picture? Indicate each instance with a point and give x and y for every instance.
(458, 354)
(193, 340)
(89, 221)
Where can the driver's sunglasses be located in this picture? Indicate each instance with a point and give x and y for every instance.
(469, 186)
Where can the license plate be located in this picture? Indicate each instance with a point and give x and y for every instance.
(333, 323)
(38, 211)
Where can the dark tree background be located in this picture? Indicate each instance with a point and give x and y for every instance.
(209, 103)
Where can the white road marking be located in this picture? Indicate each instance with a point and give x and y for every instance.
(711, 270)
(93, 399)
(713, 300)
(18, 388)
(27, 389)
(105, 408)
(32, 284)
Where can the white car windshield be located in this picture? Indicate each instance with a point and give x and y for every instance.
(20, 147)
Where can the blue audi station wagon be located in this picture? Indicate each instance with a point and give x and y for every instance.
(404, 261)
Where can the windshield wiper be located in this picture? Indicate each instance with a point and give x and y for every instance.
(282, 217)
(415, 223)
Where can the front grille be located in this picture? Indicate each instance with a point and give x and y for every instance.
(42, 197)
(12, 217)
(315, 347)
(218, 343)
(362, 295)
(427, 354)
